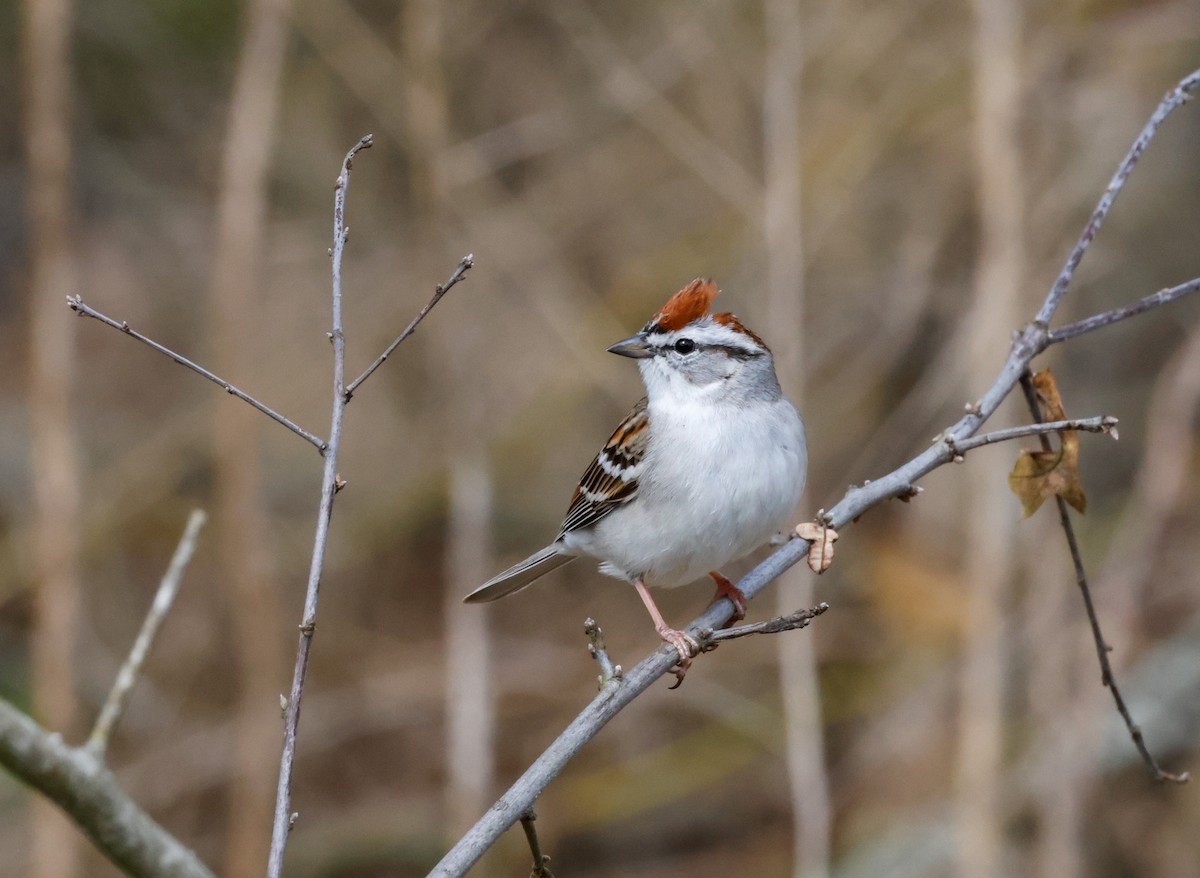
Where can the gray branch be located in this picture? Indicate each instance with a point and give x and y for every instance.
(464, 265)
(76, 304)
(330, 485)
(76, 781)
(118, 697)
(1028, 343)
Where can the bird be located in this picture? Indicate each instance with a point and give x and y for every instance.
(708, 466)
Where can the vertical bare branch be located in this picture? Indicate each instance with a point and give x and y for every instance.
(242, 531)
(990, 522)
(46, 77)
(1107, 677)
(330, 484)
(168, 587)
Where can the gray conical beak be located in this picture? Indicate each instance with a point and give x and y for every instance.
(635, 346)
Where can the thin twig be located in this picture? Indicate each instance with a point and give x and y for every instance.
(1027, 344)
(76, 304)
(540, 860)
(118, 696)
(1098, 424)
(330, 484)
(464, 265)
(608, 671)
(1176, 97)
(708, 638)
(1102, 648)
(1107, 318)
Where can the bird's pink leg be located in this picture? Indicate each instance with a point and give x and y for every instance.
(684, 643)
(726, 589)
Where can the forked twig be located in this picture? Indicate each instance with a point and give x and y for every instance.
(76, 304)
(1107, 677)
(1176, 97)
(464, 265)
(118, 696)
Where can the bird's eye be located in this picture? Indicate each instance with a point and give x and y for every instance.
(685, 346)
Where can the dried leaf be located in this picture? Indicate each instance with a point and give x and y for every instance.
(822, 537)
(1039, 474)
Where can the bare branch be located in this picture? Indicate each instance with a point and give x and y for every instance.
(1098, 424)
(330, 485)
(540, 860)
(1174, 98)
(708, 638)
(900, 483)
(464, 265)
(75, 780)
(1107, 318)
(118, 697)
(1102, 648)
(76, 304)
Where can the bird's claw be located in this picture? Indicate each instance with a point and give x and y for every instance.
(687, 647)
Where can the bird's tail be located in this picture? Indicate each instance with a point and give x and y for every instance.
(520, 575)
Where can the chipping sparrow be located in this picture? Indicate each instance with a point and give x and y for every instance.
(703, 470)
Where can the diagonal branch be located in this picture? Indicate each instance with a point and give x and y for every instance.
(1176, 97)
(1107, 318)
(118, 697)
(464, 265)
(1102, 648)
(900, 483)
(76, 304)
(76, 781)
(1099, 424)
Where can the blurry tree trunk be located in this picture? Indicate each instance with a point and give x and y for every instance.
(782, 226)
(54, 844)
(242, 532)
(990, 515)
(470, 709)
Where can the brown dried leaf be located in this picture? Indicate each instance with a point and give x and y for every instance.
(820, 553)
(1039, 474)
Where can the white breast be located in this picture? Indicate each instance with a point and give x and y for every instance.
(732, 478)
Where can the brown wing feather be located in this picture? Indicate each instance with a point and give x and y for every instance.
(611, 478)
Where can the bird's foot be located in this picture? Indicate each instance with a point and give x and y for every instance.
(685, 645)
(726, 589)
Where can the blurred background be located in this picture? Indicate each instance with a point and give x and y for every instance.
(883, 190)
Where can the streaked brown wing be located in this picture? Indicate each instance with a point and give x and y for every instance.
(612, 477)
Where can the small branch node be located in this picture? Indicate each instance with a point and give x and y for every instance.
(292, 818)
(283, 705)
(338, 483)
(609, 672)
(307, 628)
